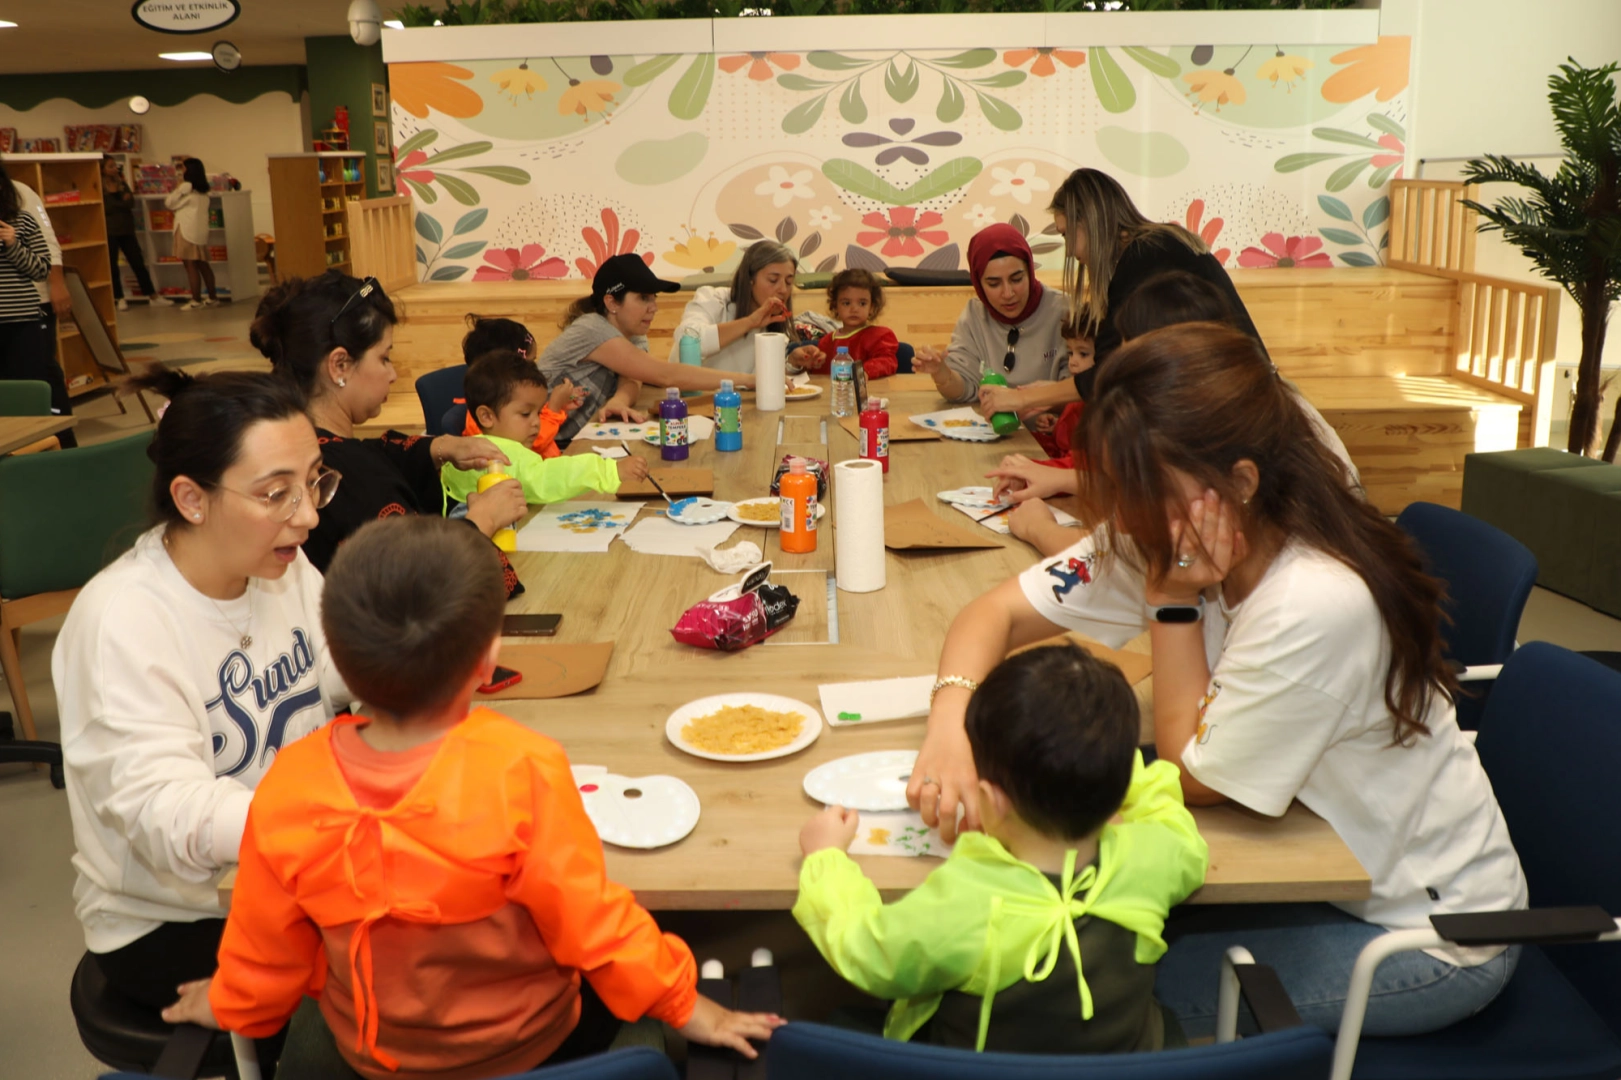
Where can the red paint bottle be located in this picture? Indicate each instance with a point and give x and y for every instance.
(875, 432)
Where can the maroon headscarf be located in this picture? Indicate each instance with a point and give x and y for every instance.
(987, 244)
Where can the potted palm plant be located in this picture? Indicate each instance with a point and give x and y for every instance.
(1570, 225)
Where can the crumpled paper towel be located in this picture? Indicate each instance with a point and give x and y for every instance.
(734, 559)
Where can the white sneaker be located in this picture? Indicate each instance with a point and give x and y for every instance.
(210, 302)
(190, 305)
(123, 305)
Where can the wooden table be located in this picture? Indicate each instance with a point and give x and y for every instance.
(744, 852)
(17, 432)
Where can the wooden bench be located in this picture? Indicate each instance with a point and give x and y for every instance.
(1416, 364)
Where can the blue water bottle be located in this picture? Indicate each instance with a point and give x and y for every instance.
(689, 350)
(673, 425)
(728, 418)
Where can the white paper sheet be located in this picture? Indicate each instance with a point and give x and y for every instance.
(963, 423)
(612, 453)
(978, 508)
(577, 526)
(872, 700)
(900, 832)
(614, 432)
(661, 536)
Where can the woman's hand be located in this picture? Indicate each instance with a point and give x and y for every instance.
(716, 1025)
(618, 410)
(8, 234)
(1020, 479)
(808, 357)
(1026, 520)
(1204, 548)
(995, 399)
(834, 827)
(193, 1006)
(927, 361)
(466, 452)
(632, 468)
(773, 310)
(495, 509)
(944, 777)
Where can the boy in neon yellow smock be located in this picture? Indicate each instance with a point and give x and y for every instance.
(1041, 933)
(505, 394)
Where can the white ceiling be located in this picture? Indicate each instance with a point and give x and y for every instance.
(100, 35)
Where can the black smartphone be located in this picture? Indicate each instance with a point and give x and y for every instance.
(530, 625)
(503, 678)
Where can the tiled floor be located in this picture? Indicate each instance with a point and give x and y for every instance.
(39, 936)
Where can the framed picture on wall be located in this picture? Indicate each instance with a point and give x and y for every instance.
(385, 177)
(379, 99)
(380, 138)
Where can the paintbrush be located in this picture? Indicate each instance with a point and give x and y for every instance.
(650, 478)
(993, 513)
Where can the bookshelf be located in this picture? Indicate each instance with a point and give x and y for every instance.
(309, 197)
(70, 184)
(230, 244)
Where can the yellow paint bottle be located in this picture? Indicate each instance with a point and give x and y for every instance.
(506, 539)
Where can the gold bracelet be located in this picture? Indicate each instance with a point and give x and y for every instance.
(951, 680)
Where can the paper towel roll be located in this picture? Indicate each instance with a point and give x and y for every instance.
(770, 369)
(858, 539)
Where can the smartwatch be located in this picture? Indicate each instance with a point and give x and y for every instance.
(1177, 613)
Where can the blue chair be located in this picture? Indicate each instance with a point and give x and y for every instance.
(1488, 575)
(816, 1052)
(903, 358)
(1550, 741)
(454, 420)
(637, 1063)
(438, 391)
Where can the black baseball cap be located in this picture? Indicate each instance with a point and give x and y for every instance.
(628, 273)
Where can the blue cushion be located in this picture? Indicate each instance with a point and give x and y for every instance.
(1537, 1027)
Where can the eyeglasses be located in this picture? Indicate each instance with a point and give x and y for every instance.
(283, 502)
(1011, 357)
(367, 287)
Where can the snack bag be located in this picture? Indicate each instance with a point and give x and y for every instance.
(814, 466)
(739, 615)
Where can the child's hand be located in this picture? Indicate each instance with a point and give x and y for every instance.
(632, 468)
(193, 1006)
(716, 1025)
(563, 392)
(1042, 421)
(834, 827)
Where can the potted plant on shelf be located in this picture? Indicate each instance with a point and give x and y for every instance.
(1570, 226)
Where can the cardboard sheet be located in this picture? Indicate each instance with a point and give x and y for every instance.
(551, 671)
(913, 525)
(901, 429)
(677, 480)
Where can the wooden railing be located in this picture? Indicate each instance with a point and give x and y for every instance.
(380, 240)
(1430, 228)
(1504, 339)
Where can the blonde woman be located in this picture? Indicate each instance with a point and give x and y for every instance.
(1110, 249)
(726, 318)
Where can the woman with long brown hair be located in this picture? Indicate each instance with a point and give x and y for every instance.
(1297, 654)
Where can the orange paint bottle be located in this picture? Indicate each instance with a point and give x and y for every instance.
(798, 491)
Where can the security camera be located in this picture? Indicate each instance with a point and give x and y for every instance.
(365, 22)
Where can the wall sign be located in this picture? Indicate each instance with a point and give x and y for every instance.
(185, 16)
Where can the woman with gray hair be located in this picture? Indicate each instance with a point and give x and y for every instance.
(726, 318)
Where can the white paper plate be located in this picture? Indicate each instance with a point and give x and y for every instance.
(875, 781)
(639, 812)
(977, 430)
(803, 393)
(809, 732)
(699, 510)
(979, 497)
(774, 502)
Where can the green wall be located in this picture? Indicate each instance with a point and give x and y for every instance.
(162, 86)
(342, 73)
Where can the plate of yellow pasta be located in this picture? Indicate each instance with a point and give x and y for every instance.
(743, 726)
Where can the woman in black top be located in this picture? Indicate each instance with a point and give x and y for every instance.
(118, 204)
(331, 336)
(1098, 276)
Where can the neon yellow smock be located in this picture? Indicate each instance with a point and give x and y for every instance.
(984, 920)
(544, 480)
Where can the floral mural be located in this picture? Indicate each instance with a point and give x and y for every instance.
(526, 168)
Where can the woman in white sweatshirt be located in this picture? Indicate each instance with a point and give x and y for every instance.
(189, 202)
(726, 318)
(184, 666)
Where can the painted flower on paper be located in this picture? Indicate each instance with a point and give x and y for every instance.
(1288, 69)
(1044, 58)
(416, 87)
(587, 97)
(784, 187)
(607, 243)
(759, 64)
(823, 218)
(1221, 87)
(1021, 183)
(407, 170)
(982, 215)
(1206, 230)
(528, 263)
(519, 80)
(1283, 253)
(699, 253)
(904, 231)
(1379, 69)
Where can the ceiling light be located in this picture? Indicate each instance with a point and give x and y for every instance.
(394, 24)
(4, 25)
(185, 56)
